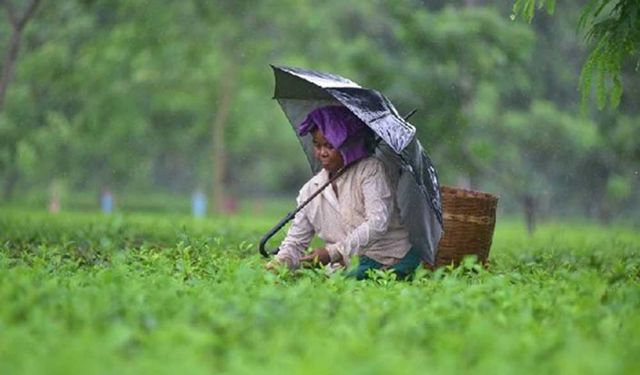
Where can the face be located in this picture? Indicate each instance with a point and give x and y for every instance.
(329, 157)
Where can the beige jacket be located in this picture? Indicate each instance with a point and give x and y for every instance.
(362, 219)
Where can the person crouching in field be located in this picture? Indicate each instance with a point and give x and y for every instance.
(357, 215)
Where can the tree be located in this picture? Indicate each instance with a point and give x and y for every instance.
(540, 156)
(449, 57)
(166, 96)
(612, 27)
(18, 23)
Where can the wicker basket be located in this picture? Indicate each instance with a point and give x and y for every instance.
(469, 219)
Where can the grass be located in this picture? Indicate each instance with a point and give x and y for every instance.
(89, 294)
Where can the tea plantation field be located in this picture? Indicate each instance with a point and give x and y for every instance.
(90, 294)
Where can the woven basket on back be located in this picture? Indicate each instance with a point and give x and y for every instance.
(469, 219)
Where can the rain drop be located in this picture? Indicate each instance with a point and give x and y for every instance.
(513, 17)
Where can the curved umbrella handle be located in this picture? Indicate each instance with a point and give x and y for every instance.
(263, 242)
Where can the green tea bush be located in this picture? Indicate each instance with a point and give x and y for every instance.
(136, 294)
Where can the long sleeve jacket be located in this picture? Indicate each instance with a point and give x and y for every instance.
(360, 219)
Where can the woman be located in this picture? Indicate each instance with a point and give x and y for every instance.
(357, 215)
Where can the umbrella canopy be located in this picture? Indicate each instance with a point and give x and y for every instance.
(299, 91)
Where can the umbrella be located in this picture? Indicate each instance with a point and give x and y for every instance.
(300, 91)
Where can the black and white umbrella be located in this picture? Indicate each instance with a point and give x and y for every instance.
(299, 91)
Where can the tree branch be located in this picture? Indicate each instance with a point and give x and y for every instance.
(11, 12)
(17, 22)
(28, 13)
(14, 45)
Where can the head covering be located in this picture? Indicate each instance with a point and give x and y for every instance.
(342, 129)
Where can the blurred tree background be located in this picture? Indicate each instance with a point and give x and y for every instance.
(155, 99)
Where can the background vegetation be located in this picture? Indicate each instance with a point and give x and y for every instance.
(153, 99)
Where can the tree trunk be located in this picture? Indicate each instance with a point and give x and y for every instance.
(11, 175)
(17, 26)
(9, 183)
(529, 209)
(604, 211)
(8, 65)
(601, 193)
(225, 96)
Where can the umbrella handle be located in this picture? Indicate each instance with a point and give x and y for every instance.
(408, 115)
(263, 242)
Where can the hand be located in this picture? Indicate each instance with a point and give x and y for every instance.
(273, 265)
(317, 256)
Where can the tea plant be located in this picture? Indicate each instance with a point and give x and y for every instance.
(82, 294)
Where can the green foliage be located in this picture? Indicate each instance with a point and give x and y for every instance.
(543, 143)
(527, 8)
(141, 82)
(619, 187)
(616, 36)
(125, 94)
(145, 294)
(613, 29)
(459, 53)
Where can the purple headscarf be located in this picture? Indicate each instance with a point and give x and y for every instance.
(341, 128)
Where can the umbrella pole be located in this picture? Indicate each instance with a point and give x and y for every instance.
(263, 242)
(408, 115)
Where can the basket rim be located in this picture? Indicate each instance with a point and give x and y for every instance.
(464, 192)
